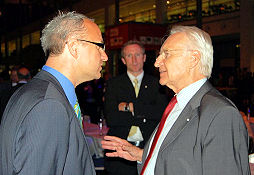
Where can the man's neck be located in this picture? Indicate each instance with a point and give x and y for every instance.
(135, 74)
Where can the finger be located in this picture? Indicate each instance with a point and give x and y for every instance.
(113, 154)
(129, 147)
(108, 147)
(110, 143)
(113, 138)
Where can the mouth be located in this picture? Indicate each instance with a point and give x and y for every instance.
(162, 71)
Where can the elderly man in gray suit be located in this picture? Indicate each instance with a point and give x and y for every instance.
(40, 133)
(201, 131)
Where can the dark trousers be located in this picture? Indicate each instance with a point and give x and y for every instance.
(119, 166)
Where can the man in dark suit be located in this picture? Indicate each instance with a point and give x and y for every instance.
(132, 110)
(201, 131)
(40, 131)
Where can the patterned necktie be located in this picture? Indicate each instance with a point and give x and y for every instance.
(157, 135)
(134, 129)
(78, 112)
(136, 86)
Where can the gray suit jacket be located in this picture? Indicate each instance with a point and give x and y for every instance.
(208, 138)
(40, 133)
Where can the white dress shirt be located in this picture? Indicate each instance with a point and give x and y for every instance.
(183, 97)
(139, 78)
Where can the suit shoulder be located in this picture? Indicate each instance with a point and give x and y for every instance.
(215, 99)
(214, 104)
(117, 79)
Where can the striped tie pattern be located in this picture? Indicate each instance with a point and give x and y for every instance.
(78, 112)
(136, 86)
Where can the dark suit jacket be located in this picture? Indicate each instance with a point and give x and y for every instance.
(148, 107)
(6, 95)
(214, 139)
(40, 133)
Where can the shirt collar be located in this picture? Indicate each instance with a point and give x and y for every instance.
(66, 84)
(139, 77)
(184, 96)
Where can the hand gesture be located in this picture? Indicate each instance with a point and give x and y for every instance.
(121, 148)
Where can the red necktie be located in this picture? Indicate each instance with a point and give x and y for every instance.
(157, 135)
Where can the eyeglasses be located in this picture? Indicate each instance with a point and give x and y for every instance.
(168, 53)
(101, 45)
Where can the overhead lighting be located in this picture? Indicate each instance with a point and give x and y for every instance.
(168, 2)
(154, 6)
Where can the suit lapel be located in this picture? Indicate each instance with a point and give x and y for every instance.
(190, 111)
(127, 86)
(144, 85)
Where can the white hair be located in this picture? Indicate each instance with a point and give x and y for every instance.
(201, 41)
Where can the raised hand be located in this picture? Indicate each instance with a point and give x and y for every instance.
(121, 148)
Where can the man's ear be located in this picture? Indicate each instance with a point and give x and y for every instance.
(73, 48)
(195, 58)
(123, 60)
(144, 57)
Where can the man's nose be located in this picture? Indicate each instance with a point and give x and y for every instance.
(104, 56)
(158, 61)
(134, 58)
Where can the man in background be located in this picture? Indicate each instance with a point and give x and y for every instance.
(201, 131)
(23, 76)
(41, 130)
(134, 104)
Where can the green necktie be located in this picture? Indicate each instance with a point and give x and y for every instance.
(78, 112)
(136, 86)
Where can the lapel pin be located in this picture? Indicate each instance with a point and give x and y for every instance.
(188, 119)
(145, 86)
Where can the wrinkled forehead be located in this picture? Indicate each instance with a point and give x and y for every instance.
(176, 41)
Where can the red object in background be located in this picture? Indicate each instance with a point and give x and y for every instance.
(149, 34)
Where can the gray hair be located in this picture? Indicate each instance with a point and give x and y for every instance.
(131, 42)
(201, 41)
(59, 29)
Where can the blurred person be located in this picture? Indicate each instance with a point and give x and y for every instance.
(23, 76)
(132, 110)
(14, 76)
(40, 131)
(201, 131)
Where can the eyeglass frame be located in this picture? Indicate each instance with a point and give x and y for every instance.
(171, 50)
(101, 45)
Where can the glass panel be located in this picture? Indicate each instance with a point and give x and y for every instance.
(179, 10)
(3, 49)
(137, 10)
(12, 47)
(35, 37)
(25, 41)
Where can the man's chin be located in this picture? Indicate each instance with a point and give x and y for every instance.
(162, 82)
